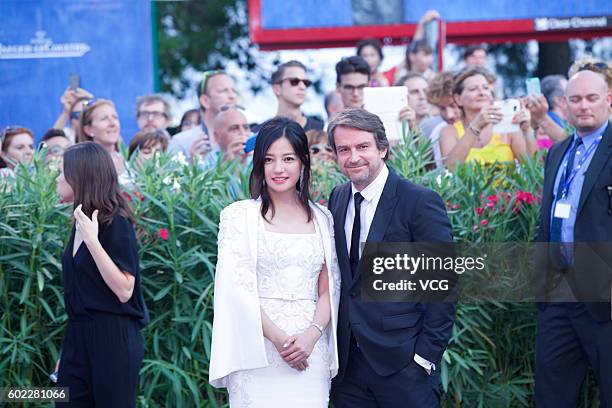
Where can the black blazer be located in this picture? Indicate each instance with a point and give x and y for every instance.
(593, 217)
(389, 333)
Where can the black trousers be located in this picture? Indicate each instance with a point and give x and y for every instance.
(569, 339)
(100, 361)
(361, 387)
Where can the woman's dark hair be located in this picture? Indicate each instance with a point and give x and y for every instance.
(190, 112)
(90, 171)
(50, 134)
(145, 139)
(270, 132)
(370, 42)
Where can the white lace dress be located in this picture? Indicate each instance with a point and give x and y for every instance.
(288, 267)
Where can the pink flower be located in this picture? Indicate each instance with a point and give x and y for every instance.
(479, 211)
(137, 194)
(128, 196)
(163, 234)
(484, 223)
(452, 206)
(529, 198)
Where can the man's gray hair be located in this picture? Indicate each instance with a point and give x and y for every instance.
(361, 119)
(551, 88)
(152, 98)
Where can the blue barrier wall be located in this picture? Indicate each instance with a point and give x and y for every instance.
(107, 42)
(283, 14)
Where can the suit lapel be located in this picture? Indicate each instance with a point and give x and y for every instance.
(382, 215)
(549, 182)
(339, 214)
(600, 158)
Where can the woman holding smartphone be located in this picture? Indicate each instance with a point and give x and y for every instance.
(102, 349)
(472, 138)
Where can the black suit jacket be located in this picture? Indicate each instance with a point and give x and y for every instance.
(593, 217)
(389, 333)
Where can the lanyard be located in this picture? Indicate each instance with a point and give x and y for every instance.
(569, 178)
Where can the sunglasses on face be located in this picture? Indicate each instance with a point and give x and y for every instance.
(317, 148)
(296, 81)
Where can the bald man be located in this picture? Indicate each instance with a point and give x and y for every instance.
(231, 132)
(574, 330)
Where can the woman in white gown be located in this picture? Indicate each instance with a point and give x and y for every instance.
(277, 283)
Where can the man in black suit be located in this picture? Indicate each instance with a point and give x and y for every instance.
(389, 351)
(577, 208)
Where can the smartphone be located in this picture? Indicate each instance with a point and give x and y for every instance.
(249, 146)
(432, 36)
(509, 108)
(533, 86)
(75, 81)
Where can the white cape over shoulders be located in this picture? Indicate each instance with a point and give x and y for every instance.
(237, 337)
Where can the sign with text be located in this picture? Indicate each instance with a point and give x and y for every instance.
(321, 23)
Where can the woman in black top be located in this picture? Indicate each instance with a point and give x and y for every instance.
(103, 348)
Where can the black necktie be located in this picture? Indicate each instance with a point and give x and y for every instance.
(557, 223)
(354, 255)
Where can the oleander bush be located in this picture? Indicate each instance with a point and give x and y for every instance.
(490, 360)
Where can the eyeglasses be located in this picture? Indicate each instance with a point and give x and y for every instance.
(206, 76)
(317, 148)
(353, 88)
(296, 81)
(56, 151)
(151, 115)
(75, 115)
(229, 106)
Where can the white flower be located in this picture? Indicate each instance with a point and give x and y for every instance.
(180, 159)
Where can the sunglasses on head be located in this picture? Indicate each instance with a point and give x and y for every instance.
(206, 76)
(296, 81)
(597, 66)
(89, 103)
(8, 129)
(317, 148)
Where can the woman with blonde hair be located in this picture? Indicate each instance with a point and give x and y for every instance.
(472, 138)
(100, 124)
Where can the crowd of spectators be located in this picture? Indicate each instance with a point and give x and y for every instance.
(453, 110)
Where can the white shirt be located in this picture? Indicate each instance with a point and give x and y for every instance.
(371, 196)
